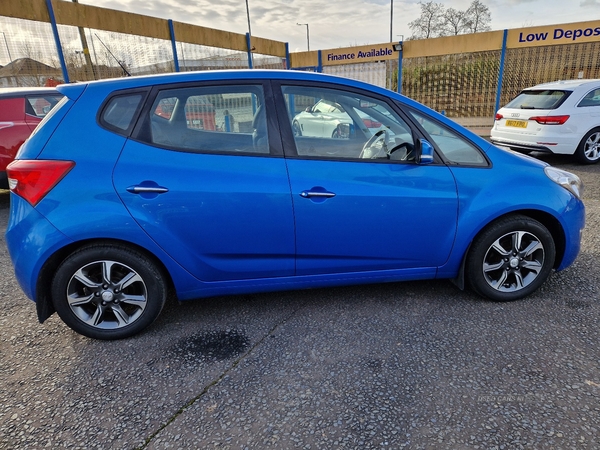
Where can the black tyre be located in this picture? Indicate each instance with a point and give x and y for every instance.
(588, 150)
(510, 259)
(296, 128)
(108, 292)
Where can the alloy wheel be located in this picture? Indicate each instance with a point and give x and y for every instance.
(107, 295)
(513, 261)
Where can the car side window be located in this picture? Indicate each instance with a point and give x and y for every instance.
(335, 124)
(120, 110)
(39, 106)
(209, 119)
(455, 148)
(592, 98)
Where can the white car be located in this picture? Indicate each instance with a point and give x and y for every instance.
(561, 117)
(329, 119)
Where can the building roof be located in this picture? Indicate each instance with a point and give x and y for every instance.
(27, 66)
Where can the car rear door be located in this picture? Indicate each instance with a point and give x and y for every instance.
(216, 201)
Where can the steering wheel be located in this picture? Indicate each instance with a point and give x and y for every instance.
(402, 152)
(368, 153)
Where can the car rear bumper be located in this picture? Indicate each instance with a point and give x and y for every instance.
(30, 240)
(520, 146)
(541, 144)
(545, 138)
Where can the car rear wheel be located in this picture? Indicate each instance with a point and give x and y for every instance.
(588, 151)
(510, 259)
(108, 292)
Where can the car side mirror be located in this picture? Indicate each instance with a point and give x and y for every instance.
(424, 152)
(308, 109)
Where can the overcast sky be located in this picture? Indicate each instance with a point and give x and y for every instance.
(343, 23)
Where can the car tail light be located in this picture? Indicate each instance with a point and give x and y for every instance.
(371, 123)
(498, 116)
(550, 120)
(33, 179)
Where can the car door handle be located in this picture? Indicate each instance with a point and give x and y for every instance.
(147, 189)
(308, 194)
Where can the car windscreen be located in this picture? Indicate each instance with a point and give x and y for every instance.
(539, 99)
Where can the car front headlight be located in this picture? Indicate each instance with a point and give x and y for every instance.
(568, 180)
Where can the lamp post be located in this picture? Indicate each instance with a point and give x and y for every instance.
(391, 18)
(307, 35)
(6, 43)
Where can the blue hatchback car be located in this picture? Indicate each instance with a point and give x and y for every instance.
(198, 184)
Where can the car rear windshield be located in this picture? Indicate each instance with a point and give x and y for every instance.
(539, 99)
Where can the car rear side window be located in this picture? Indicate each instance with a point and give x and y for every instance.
(40, 105)
(539, 99)
(208, 119)
(592, 98)
(120, 110)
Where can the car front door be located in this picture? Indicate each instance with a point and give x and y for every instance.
(362, 208)
(217, 198)
(313, 123)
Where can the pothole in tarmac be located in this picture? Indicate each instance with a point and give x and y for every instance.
(212, 346)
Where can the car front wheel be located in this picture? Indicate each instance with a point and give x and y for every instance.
(296, 128)
(588, 151)
(108, 292)
(510, 259)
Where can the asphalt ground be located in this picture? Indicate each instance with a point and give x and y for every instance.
(417, 365)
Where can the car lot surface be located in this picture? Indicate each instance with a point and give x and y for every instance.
(404, 365)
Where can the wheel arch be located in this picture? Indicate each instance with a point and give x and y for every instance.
(579, 149)
(43, 300)
(594, 128)
(548, 220)
(554, 227)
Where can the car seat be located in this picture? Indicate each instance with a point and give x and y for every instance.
(259, 135)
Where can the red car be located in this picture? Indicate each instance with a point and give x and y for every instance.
(199, 112)
(21, 109)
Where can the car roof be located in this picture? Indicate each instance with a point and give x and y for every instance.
(569, 85)
(74, 90)
(19, 91)
(104, 87)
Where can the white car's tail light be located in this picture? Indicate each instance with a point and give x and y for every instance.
(550, 120)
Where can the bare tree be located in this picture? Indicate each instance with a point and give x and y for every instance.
(431, 21)
(455, 21)
(478, 17)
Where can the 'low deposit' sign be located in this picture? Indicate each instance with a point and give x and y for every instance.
(557, 34)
